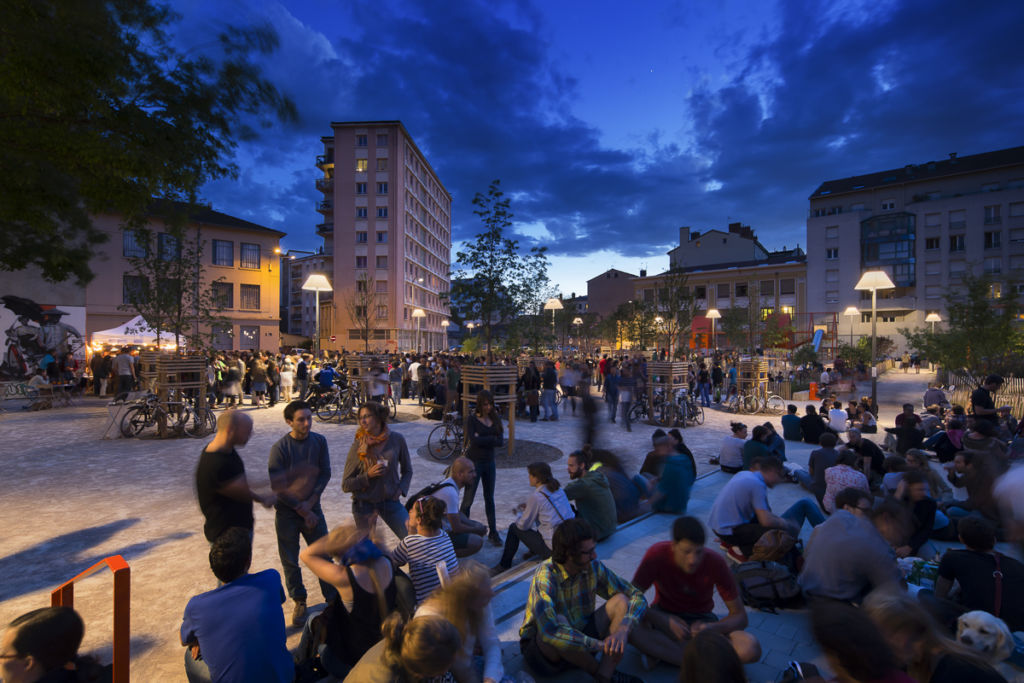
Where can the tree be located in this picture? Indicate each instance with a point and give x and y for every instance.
(677, 306)
(775, 331)
(100, 113)
(361, 307)
(497, 280)
(734, 325)
(806, 356)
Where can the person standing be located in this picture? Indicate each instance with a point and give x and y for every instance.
(485, 434)
(627, 387)
(611, 390)
(125, 370)
(395, 377)
(549, 381)
(96, 367)
(287, 379)
(982, 404)
(302, 377)
(300, 468)
(530, 382)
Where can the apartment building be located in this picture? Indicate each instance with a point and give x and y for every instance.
(608, 291)
(926, 225)
(737, 243)
(387, 224)
(298, 307)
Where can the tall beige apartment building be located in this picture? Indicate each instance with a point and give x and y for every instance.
(386, 221)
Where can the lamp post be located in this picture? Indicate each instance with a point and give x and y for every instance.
(851, 312)
(874, 280)
(713, 315)
(659, 321)
(444, 326)
(418, 314)
(470, 326)
(317, 282)
(577, 321)
(933, 318)
(553, 304)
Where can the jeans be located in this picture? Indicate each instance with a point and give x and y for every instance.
(804, 509)
(303, 385)
(705, 394)
(613, 404)
(125, 383)
(530, 538)
(547, 400)
(196, 671)
(625, 414)
(487, 474)
(392, 512)
(396, 392)
(289, 526)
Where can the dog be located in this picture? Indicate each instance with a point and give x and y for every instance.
(990, 638)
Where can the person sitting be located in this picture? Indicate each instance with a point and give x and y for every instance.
(422, 649)
(588, 486)
(655, 459)
(973, 569)
(538, 517)
(756, 446)
(42, 645)
(467, 535)
(730, 457)
(812, 426)
(847, 556)
(685, 575)
(895, 466)
(973, 472)
(837, 418)
(791, 425)
(867, 420)
(934, 396)
(563, 628)
(854, 647)
(466, 603)
(984, 439)
(908, 417)
(710, 656)
(425, 545)
(931, 420)
(912, 492)
(947, 443)
(364, 577)
(1006, 426)
(236, 632)
(672, 490)
(680, 447)
(740, 514)
(938, 487)
(926, 653)
(629, 493)
(903, 437)
(871, 457)
(844, 474)
(813, 479)
(776, 444)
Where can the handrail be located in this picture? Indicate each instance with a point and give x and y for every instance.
(64, 596)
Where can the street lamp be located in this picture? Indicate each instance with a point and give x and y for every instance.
(658, 320)
(933, 318)
(418, 314)
(874, 280)
(577, 321)
(317, 282)
(553, 304)
(713, 315)
(444, 326)
(470, 327)
(851, 312)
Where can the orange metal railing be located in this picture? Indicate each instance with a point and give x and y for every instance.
(64, 596)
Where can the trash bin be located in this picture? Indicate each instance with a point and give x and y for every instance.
(814, 392)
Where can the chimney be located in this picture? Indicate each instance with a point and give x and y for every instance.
(684, 234)
(643, 273)
(952, 157)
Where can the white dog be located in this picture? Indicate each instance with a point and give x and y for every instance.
(990, 637)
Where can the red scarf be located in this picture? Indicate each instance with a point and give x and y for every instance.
(367, 441)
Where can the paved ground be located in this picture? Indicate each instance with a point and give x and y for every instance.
(71, 498)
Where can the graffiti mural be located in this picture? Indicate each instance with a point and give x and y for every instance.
(36, 333)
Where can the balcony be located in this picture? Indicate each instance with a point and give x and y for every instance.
(325, 227)
(325, 161)
(326, 206)
(325, 185)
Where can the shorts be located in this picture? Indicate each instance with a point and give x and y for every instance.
(541, 665)
(460, 541)
(259, 387)
(692, 617)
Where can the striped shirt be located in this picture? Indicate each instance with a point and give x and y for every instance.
(422, 553)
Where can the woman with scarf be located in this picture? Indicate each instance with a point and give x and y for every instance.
(378, 471)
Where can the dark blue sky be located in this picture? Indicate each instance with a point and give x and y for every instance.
(612, 124)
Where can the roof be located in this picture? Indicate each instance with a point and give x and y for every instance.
(205, 214)
(915, 173)
(775, 258)
(610, 270)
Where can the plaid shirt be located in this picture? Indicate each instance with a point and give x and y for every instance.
(559, 605)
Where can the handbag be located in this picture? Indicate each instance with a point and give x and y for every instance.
(532, 397)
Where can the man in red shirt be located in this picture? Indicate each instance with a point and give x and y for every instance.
(602, 371)
(684, 575)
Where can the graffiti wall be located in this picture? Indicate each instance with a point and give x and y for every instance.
(36, 332)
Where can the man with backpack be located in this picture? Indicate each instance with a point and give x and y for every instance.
(685, 575)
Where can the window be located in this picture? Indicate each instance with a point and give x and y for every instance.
(382, 164)
(248, 337)
(222, 335)
(995, 290)
(382, 188)
(382, 139)
(1016, 209)
(992, 214)
(360, 188)
(223, 253)
(932, 220)
(700, 292)
(787, 310)
(957, 269)
(249, 256)
(931, 243)
(932, 292)
(722, 291)
(362, 165)
(767, 287)
(832, 296)
(382, 286)
(956, 243)
(360, 212)
(741, 289)
(133, 287)
(957, 219)
(1016, 235)
(361, 237)
(832, 275)
(990, 187)
(360, 262)
(933, 268)
(360, 285)
(766, 312)
(993, 265)
(993, 240)
(134, 244)
(249, 297)
(362, 141)
(382, 312)
(223, 294)
(832, 232)
(832, 253)
(888, 204)
(382, 237)
(787, 286)
(382, 261)
(1017, 262)
(168, 246)
(382, 212)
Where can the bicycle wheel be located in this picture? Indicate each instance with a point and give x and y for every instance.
(441, 444)
(135, 420)
(203, 422)
(670, 416)
(638, 412)
(392, 407)
(327, 410)
(776, 404)
(697, 413)
(559, 398)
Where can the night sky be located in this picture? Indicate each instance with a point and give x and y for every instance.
(612, 124)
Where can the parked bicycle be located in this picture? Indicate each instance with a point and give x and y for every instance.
(447, 440)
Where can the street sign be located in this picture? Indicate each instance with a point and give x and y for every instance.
(333, 338)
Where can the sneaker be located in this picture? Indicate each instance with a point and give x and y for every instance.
(733, 552)
(623, 677)
(498, 569)
(299, 613)
(495, 539)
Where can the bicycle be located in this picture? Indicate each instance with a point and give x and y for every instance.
(149, 411)
(447, 440)
(689, 409)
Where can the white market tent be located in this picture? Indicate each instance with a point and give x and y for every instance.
(119, 336)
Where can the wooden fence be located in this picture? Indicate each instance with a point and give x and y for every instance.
(1010, 394)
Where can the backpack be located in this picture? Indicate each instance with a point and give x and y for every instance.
(428, 490)
(768, 586)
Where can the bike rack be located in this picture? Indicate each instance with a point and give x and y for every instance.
(64, 596)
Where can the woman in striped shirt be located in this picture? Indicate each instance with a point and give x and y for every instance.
(425, 546)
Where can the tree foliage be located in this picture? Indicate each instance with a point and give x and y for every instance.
(100, 113)
(805, 355)
(734, 326)
(776, 331)
(497, 281)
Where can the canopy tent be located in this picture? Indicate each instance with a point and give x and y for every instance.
(141, 334)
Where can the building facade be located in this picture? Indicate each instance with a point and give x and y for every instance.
(926, 225)
(737, 243)
(298, 314)
(608, 291)
(387, 224)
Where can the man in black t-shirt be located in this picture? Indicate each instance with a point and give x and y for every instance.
(982, 405)
(811, 425)
(223, 491)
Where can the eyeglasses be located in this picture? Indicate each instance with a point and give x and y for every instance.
(587, 553)
(12, 656)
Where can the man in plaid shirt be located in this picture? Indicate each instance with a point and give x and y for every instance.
(562, 629)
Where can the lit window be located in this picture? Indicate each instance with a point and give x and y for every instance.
(362, 165)
(249, 256)
(787, 310)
